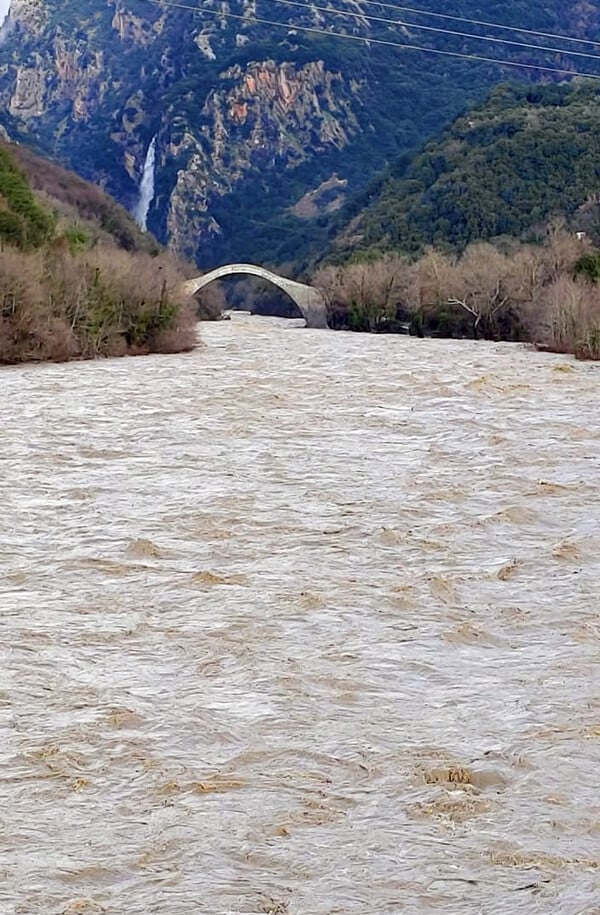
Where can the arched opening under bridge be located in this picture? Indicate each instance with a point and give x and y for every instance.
(309, 300)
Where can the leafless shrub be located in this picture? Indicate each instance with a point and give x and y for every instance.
(567, 318)
(525, 292)
(55, 305)
(179, 337)
(370, 291)
(211, 302)
(561, 250)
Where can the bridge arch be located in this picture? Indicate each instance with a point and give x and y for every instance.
(308, 299)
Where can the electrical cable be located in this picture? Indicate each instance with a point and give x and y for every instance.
(493, 25)
(291, 26)
(429, 28)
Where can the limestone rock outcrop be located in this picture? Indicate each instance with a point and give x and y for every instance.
(257, 113)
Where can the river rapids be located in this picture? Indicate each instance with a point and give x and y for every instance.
(301, 622)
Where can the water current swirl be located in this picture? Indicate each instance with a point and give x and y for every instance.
(302, 623)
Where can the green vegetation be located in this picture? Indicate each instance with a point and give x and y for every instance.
(150, 76)
(82, 206)
(71, 290)
(23, 222)
(414, 253)
(502, 169)
(588, 266)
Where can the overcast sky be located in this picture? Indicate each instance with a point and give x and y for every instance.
(4, 5)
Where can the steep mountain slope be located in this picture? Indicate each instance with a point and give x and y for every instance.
(261, 131)
(523, 157)
(77, 280)
(78, 202)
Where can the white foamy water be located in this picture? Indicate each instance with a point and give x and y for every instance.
(302, 623)
(146, 187)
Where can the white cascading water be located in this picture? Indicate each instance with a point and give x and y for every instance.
(146, 197)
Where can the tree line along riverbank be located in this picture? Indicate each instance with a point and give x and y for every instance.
(546, 294)
(78, 280)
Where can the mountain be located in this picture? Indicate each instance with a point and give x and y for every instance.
(262, 130)
(525, 156)
(73, 201)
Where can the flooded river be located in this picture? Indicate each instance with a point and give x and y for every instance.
(302, 623)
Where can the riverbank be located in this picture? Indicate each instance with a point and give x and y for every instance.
(77, 278)
(56, 306)
(544, 294)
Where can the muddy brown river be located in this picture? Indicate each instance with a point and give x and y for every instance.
(303, 623)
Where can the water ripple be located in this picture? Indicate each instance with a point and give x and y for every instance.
(300, 623)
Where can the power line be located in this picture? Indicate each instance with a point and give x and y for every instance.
(430, 28)
(173, 4)
(493, 25)
(481, 22)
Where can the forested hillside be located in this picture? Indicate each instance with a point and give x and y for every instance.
(265, 122)
(77, 278)
(504, 168)
(70, 199)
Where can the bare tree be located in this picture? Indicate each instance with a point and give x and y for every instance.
(434, 277)
(566, 318)
(371, 289)
(520, 292)
(562, 249)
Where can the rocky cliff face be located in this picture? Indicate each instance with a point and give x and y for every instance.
(92, 83)
(270, 116)
(249, 118)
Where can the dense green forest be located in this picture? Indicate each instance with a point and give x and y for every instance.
(504, 168)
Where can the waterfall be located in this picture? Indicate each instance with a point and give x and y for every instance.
(146, 197)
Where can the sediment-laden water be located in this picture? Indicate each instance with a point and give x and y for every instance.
(302, 623)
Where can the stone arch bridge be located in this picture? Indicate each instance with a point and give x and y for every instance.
(308, 299)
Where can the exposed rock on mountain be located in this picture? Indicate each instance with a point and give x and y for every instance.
(268, 114)
(249, 117)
